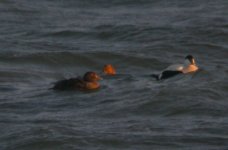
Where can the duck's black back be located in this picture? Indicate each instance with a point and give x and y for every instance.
(166, 74)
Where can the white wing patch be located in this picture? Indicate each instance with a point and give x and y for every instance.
(176, 67)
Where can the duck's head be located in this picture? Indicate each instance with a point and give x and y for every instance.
(109, 70)
(91, 77)
(189, 60)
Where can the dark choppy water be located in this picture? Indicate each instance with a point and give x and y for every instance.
(46, 40)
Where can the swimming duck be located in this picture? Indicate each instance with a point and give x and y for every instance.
(88, 82)
(188, 66)
(109, 70)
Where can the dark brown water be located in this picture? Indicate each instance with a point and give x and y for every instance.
(45, 41)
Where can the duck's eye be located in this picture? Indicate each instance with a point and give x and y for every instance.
(94, 75)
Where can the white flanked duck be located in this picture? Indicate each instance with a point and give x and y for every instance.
(188, 66)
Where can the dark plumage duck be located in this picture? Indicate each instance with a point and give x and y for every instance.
(88, 82)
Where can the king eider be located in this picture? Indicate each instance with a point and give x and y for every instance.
(109, 70)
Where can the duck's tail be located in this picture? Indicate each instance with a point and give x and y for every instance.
(156, 76)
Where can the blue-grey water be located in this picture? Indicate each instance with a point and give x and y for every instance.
(43, 41)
